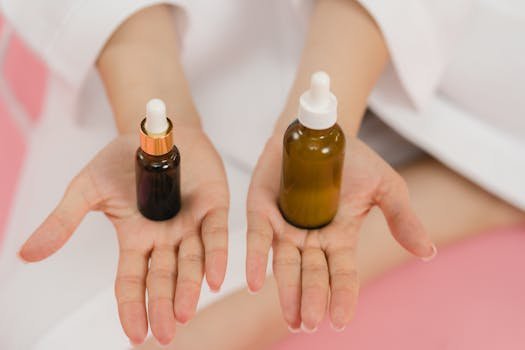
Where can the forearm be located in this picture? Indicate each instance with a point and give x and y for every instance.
(344, 41)
(141, 61)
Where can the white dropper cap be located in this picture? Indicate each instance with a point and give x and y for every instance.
(318, 106)
(156, 121)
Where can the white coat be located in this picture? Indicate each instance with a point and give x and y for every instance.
(453, 88)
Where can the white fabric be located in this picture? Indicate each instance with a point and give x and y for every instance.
(454, 89)
(69, 34)
(470, 103)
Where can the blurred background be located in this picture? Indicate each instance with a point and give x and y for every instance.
(471, 297)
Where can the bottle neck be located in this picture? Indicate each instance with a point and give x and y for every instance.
(156, 144)
(316, 117)
(315, 132)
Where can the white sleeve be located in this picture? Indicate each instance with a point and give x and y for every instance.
(421, 36)
(69, 34)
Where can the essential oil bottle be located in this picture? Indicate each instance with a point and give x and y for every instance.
(313, 156)
(157, 165)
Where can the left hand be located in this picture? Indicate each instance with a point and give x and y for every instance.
(316, 267)
(165, 259)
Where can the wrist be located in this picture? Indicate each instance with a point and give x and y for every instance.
(354, 60)
(137, 65)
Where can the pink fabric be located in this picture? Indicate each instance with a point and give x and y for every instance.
(472, 296)
(12, 151)
(26, 76)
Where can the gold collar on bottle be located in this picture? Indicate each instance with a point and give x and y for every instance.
(156, 144)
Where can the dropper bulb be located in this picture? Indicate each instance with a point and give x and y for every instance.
(317, 105)
(320, 89)
(156, 121)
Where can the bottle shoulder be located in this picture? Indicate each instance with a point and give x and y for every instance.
(307, 142)
(168, 160)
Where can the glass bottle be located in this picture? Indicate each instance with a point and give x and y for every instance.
(313, 157)
(157, 166)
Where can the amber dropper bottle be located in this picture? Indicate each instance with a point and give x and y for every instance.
(157, 165)
(313, 156)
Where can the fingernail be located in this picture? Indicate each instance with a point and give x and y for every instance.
(308, 330)
(252, 292)
(294, 330)
(337, 329)
(181, 323)
(133, 344)
(20, 257)
(162, 346)
(216, 290)
(431, 256)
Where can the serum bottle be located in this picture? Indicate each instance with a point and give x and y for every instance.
(313, 156)
(157, 165)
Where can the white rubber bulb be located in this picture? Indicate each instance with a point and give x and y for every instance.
(156, 121)
(318, 106)
(319, 89)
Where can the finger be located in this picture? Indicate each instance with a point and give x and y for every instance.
(259, 241)
(264, 173)
(161, 292)
(287, 271)
(394, 201)
(130, 286)
(344, 286)
(315, 282)
(189, 279)
(54, 232)
(215, 239)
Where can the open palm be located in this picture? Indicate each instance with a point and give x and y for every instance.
(315, 270)
(167, 258)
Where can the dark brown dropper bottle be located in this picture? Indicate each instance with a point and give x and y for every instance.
(157, 165)
(313, 156)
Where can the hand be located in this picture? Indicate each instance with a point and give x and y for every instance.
(316, 267)
(179, 250)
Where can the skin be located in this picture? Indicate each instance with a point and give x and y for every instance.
(179, 250)
(314, 271)
(255, 321)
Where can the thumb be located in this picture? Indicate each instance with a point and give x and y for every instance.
(54, 232)
(394, 201)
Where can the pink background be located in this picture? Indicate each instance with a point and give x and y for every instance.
(472, 296)
(25, 78)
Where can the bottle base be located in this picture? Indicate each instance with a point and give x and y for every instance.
(302, 225)
(158, 216)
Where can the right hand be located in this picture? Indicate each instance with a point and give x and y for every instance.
(167, 258)
(316, 270)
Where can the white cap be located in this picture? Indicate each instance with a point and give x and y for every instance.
(156, 121)
(318, 106)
